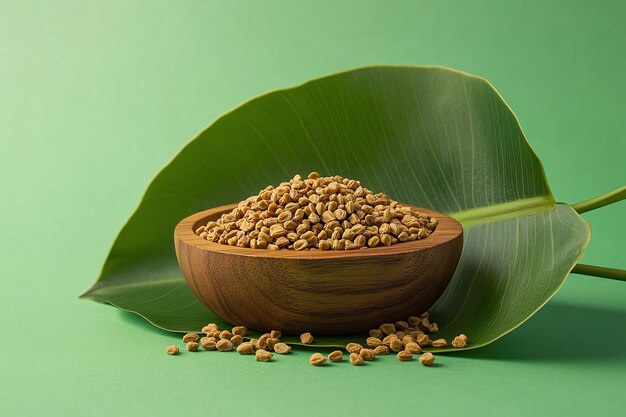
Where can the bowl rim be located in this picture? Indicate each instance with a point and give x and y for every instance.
(447, 230)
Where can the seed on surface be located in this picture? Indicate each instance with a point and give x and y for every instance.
(245, 348)
(405, 355)
(439, 343)
(300, 244)
(171, 350)
(413, 347)
(367, 354)
(381, 350)
(306, 338)
(354, 347)
(263, 355)
(387, 339)
(239, 331)
(460, 341)
(356, 359)
(423, 340)
(282, 348)
(335, 356)
(376, 333)
(208, 343)
(414, 321)
(276, 334)
(211, 327)
(192, 346)
(225, 334)
(224, 345)
(388, 328)
(402, 325)
(396, 345)
(317, 359)
(191, 337)
(407, 339)
(261, 342)
(271, 343)
(427, 359)
(236, 340)
(373, 342)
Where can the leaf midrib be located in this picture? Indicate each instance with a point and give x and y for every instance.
(504, 210)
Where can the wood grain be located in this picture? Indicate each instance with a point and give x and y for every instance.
(330, 292)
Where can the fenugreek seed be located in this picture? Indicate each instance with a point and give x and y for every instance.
(356, 359)
(245, 348)
(427, 359)
(276, 334)
(387, 339)
(313, 175)
(191, 337)
(236, 340)
(388, 328)
(208, 343)
(376, 333)
(373, 342)
(400, 335)
(284, 216)
(460, 341)
(367, 354)
(271, 342)
(396, 345)
(414, 321)
(211, 327)
(171, 350)
(300, 244)
(306, 338)
(225, 334)
(192, 346)
(381, 350)
(423, 340)
(412, 347)
(224, 345)
(407, 339)
(373, 241)
(239, 330)
(263, 355)
(335, 356)
(402, 325)
(317, 359)
(353, 347)
(405, 355)
(282, 348)
(433, 328)
(439, 343)
(325, 245)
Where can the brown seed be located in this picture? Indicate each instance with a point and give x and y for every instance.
(414, 321)
(214, 333)
(367, 354)
(439, 343)
(239, 331)
(335, 356)
(263, 355)
(388, 328)
(208, 343)
(427, 359)
(433, 328)
(317, 359)
(224, 345)
(376, 333)
(306, 338)
(407, 339)
(225, 334)
(402, 325)
(261, 342)
(356, 359)
(300, 244)
(172, 350)
(460, 341)
(245, 348)
(271, 343)
(423, 340)
(191, 337)
(354, 347)
(381, 350)
(192, 346)
(373, 342)
(396, 345)
(211, 327)
(282, 348)
(236, 340)
(387, 339)
(405, 356)
(400, 335)
(277, 334)
(413, 347)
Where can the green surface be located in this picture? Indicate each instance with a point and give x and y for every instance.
(96, 97)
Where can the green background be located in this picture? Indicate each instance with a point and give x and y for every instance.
(95, 97)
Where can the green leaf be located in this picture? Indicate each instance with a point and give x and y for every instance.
(426, 136)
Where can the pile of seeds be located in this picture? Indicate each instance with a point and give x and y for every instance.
(406, 338)
(318, 213)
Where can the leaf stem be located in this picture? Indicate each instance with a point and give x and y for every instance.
(599, 271)
(601, 201)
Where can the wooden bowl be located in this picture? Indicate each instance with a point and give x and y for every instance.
(329, 292)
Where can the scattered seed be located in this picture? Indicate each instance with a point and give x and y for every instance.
(423, 340)
(263, 355)
(354, 347)
(277, 334)
(317, 359)
(405, 355)
(211, 327)
(335, 356)
(376, 333)
(192, 346)
(413, 347)
(271, 343)
(373, 342)
(388, 328)
(356, 359)
(396, 345)
(208, 343)
(239, 331)
(191, 337)
(282, 348)
(236, 340)
(381, 350)
(224, 345)
(427, 359)
(171, 350)
(306, 338)
(460, 341)
(439, 343)
(245, 348)
(225, 334)
(367, 354)
(387, 339)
